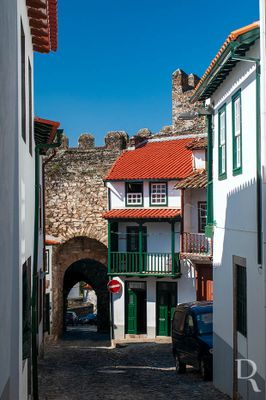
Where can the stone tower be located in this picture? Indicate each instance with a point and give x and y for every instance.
(183, 86)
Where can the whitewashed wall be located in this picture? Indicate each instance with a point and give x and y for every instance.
(158, 236)
(199, 159)
(117, 191)
(191, 199)
(16, 199)
(235, 232)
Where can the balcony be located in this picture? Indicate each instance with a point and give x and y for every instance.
(145, 264)
(197, 244)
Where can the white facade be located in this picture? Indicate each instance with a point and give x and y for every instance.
(158, 237)
(17, 181)
(235, 235)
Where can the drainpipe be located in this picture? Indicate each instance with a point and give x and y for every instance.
(38, 148)
(263, 130)
(258, 154)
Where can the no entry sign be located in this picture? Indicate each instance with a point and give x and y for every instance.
(114, 286)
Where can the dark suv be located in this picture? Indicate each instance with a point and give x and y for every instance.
(192, 337)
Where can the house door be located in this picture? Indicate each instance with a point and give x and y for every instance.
(166, 303)
(204, 282)
(133, 247)
(136, 315)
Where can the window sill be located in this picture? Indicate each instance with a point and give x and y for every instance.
(222, 177)
(237, 171)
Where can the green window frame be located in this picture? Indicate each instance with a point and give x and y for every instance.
(134, 193)
(237, 133)
(158, 194)
(241, 299)
(222, 161)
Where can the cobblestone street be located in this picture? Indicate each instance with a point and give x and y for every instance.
(83, 367)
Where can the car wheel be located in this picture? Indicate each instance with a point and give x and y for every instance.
(180, 367)
(205, 370)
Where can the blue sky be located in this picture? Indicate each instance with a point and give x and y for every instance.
(115, 58)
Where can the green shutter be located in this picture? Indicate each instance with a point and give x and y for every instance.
(132, 312)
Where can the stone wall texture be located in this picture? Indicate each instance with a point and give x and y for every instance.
(183, 86)
(76, 196)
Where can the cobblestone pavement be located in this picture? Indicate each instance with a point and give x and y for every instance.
(83, 367)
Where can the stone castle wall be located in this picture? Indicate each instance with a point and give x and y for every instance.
(76, 196)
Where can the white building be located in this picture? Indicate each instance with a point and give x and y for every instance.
(20, 35)
(157, 199)
(232, 87)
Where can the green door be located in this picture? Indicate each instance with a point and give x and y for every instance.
(166, 303)
(131, 312)
(162, 320)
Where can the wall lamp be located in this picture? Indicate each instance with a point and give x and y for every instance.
(197, 113)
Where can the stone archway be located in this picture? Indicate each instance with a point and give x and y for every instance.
(95, 274)
(74, 253)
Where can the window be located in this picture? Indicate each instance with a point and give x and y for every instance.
(23, 91)
(237, 139)
(222, 142)
(202, 215)
(158, 194)
(26, 306)
(30, 106)
(134, 193)
(241, 299)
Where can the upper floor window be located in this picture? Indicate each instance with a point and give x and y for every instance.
(23, 82)
(134, 193)
(158, 194)
(237, 139)
(30, 106)
(202, 215)
(222, 142)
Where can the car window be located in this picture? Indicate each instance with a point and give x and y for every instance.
(204, 323)
(179, 321)
(189, 325)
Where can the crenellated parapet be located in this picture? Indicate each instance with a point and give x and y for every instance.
(183, 86)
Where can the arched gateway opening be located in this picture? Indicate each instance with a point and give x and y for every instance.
(80, 259)
(94, 274)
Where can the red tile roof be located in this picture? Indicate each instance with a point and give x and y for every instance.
(198, 180)
(198, 144)
(231, 38)
(170, 159)
(142, 213)
(43, 23)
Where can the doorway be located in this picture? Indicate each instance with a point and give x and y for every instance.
(136, 308)
(204, 282)
(166, 303)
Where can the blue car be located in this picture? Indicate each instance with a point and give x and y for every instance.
(192, 335)
(88, 319)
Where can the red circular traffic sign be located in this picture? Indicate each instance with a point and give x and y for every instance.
(114, 286)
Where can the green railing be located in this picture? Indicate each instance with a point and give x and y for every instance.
(135, 263)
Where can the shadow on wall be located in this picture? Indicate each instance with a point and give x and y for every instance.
(95, 274)
(239, 238)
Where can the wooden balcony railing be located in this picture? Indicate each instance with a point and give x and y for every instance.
(196, 243)
(134, 263)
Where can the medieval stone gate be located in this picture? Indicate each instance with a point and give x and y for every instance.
(76, 198)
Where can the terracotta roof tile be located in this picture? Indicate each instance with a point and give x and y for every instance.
(198, 144)
(170, 159)
(231, 38)
(197, 180)
(142, 213)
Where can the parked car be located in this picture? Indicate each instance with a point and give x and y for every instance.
(88, 319)
(192, 333)
(71, 318)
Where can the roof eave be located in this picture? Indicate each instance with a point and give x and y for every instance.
(225, 64)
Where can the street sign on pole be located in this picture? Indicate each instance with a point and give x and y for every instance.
(114, 286)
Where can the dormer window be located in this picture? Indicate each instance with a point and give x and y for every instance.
(134, 193)
(158, 194)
